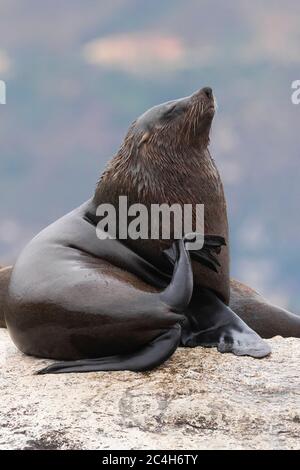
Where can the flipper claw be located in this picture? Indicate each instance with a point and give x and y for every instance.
(212, 245)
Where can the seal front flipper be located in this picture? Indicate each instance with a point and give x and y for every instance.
(210, 323)
(176, 296)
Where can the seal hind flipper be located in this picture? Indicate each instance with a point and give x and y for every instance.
(211, 323)
(176, 296)
(207, 259)
(212, 244)
(178, 293)
(150, 356)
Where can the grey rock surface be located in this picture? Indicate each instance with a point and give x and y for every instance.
(199, 399)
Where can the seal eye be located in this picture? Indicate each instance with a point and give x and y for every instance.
(169, 111)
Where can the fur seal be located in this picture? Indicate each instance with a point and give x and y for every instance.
(112, 305)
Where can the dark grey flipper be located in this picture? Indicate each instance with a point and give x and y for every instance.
(178, 293)
(212, 245)
(212, 323)
(177, 296)
(209, 322)
(147, 358)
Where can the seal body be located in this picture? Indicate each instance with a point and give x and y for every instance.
(99, 306)
(71, 295)
(111, 304)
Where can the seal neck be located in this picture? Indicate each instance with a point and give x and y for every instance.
(147, 178)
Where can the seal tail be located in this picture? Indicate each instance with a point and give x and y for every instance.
(177, 296)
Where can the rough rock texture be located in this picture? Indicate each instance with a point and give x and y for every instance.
(199, 399)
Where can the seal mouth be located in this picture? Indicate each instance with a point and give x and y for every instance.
(198, 123)
(185, 121)
(205, 100)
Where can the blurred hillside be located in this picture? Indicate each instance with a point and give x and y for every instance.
(78, 73)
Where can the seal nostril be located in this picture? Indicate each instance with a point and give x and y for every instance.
(208, 92)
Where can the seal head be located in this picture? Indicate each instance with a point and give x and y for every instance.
(189, 118)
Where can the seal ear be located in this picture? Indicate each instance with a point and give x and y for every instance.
(144, 138)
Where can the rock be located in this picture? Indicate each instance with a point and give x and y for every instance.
(199, 399)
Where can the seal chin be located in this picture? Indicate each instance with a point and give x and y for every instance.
(210, 110)
(204, 104)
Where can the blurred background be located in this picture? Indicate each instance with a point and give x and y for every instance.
(79, 72)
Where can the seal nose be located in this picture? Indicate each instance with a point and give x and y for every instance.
(208, 92)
